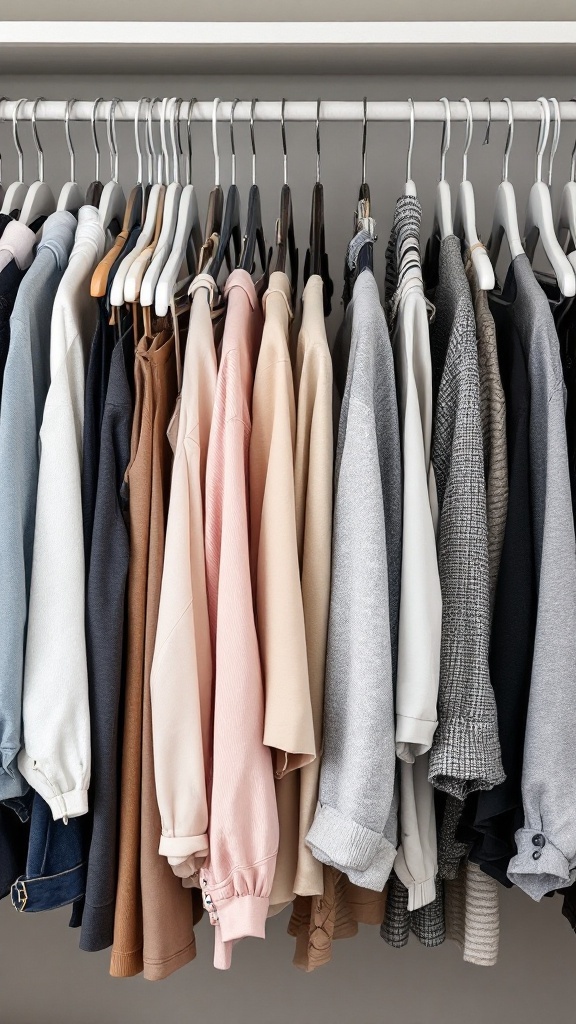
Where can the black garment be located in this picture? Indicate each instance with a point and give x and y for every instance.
(106, 584)
(491, 818)
(10, 279)
(103, 342)
(4, 220)
(14, 834)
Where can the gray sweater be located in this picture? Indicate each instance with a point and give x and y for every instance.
(546, 857)
(465, 754)
(355, 828)
(26, 382)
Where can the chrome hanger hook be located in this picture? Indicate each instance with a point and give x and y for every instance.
(410, 141)
(175, 138)
(140, 169)
(112, 143)
(215, 141)
(284, 147)
(318, 102)
(573, 155)
(486, 139)
(17, 142)
(156, 157)
(39, 150)
(555, 136)
(445, 144)
(69, 105)
(165, 158)
(95, 106)
(253, 139)
(509, 138)
(543, 132)
(2, 100)
(364, 134)
(232, 143)
(191, 106)
(469, 134)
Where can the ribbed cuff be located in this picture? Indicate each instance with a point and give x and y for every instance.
(539, 867)
(362, 854)
(413, 737)
(240, 916)
(465, 756)
(68, 805)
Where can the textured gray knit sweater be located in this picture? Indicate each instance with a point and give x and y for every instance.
(355, 828)
(465, 754)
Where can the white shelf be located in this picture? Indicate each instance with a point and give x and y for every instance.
(505, 47)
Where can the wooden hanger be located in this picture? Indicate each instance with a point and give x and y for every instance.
(505, 219)
(539, 217)
(316, 261)
(442, 225)
(465, 216)
(39, 201)
(71, 197)
(16, 192)
(187, 238)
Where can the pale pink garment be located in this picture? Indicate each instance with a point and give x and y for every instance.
(243, 833)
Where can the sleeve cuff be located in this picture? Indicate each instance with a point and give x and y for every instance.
(240, 916)
(420, 894)
(413, 737)
(185, 854)
(465, 757)
(365, 856)
(539, 867)
(68, 805)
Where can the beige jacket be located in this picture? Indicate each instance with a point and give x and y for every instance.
(181, 681)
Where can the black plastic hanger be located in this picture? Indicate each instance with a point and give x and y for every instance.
(254, 233)
(316, 261)
(230, 233)
(285, 237)
(94, 190)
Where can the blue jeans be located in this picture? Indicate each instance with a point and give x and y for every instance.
(56, 867)
(14, 831)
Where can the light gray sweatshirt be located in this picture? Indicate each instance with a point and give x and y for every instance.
(26, 382)
(546, 857)
(355, 827)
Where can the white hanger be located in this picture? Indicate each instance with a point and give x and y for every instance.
(410, 187)
(147, 233)
(169, 216)
(505, 220)
(71, 196)
(39, 201)
(539, 217)
(567, 219)
(188, 224)
(16, 191)
(143, 252)
(442, 224)
(112, 201)
(465, 216)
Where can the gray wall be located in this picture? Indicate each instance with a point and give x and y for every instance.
(44, 978)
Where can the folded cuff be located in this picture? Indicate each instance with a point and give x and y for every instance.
(413, 737)
(421, 893)
(68, 805)
(539, 867)
(186, 854)
(465, 756)
(365, 856)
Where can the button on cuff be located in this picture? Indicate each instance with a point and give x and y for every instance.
(539, 867)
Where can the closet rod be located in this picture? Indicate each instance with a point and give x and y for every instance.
(295, 110)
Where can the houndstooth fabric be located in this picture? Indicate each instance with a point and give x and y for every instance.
(465, 754)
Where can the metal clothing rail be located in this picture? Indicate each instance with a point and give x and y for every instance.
(294, 110)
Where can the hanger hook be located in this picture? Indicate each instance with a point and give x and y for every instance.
(69, 105)
(164, 161)
(95, 106)
(318, 102)
(156, 157)
(17, 142)
(232, 143)
(191, 106)
(112, 144)
(410, 141)
(468, 139)
(215, 141)
(140, 171)
(284, 146)
(175, 138)
(2, 100)
(39, 150)
(509, 139)
(543, 131)
(364, 134)
(445, 144)
(253, 139)
(486, 139)
(573, 156)
(555, 136)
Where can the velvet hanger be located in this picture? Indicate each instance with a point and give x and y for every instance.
(230, 233)
(254, 233)
(316, 261)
